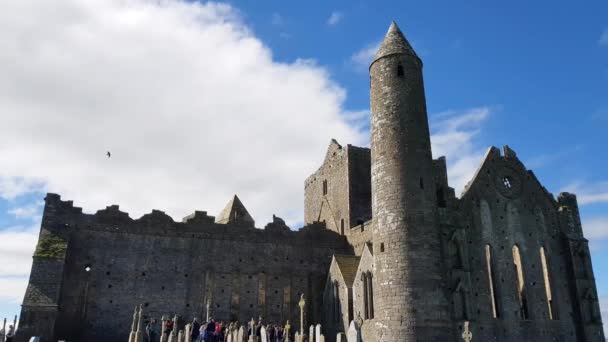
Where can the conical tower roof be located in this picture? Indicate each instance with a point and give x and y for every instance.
(395, 43)
(234, 212)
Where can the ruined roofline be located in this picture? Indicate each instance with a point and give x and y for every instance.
(157, 222)
(333, 142)
(510, 155)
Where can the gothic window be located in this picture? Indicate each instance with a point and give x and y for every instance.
(365, 301)
(399, 70)
(521, 285)
(325, 187)
(491, 281)
(546, 277)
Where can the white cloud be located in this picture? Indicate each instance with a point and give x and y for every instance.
(335, 18)
(363, 58)
(604, 38)
(16, 250)
(190, 103)
(28, 211)
(595, 228)
(589, 193)
(12, 291)
(452, 135)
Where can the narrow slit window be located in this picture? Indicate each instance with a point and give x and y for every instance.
(325, 187)
(521, 285)
(342, 226)
(370, 296)
(492, 284)
(421, 183)
(548, 292)
(365, 307)
(399, 70)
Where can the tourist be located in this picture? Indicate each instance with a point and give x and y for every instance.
(10, 334)
(202, 333)
(210, 331)
(168, 328)
(152, 331)
(271, 333)
(195, 329)
(280, 334)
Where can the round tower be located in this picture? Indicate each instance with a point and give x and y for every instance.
(409, 291)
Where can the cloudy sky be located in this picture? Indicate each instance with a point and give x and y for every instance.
(198, 101)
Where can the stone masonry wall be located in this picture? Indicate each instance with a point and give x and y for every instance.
(113, 263)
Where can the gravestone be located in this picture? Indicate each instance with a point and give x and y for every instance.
(241, 335)
(297, 337)
(353, 334)
(318, 333)
(340, 337)
(188, 333)
(263, 335)
(311, 334)
(34, 339)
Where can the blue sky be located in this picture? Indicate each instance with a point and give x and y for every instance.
(533, 75)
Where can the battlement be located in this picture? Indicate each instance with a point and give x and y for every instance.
(63, 215)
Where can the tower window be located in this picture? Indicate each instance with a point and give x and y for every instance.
(399, 70)
(421, 183)
(325, 187)
(507, 182)
(342, 226)
(381, 247)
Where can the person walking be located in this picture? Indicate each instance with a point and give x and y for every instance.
(195, 329)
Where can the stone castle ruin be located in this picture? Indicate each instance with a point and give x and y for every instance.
(386, 247)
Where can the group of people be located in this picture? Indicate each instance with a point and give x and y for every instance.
(7, 336)
(211, 331)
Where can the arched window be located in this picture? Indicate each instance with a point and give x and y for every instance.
(365, 300)
(521, 284)
(399, 70)
(546, 277)
(491, 282)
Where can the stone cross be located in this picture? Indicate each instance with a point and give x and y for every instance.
(302, 305)
(467, 335)
(252, 327)
(133, 323)
(287, 327)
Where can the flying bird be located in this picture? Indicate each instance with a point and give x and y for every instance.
(108, 154)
